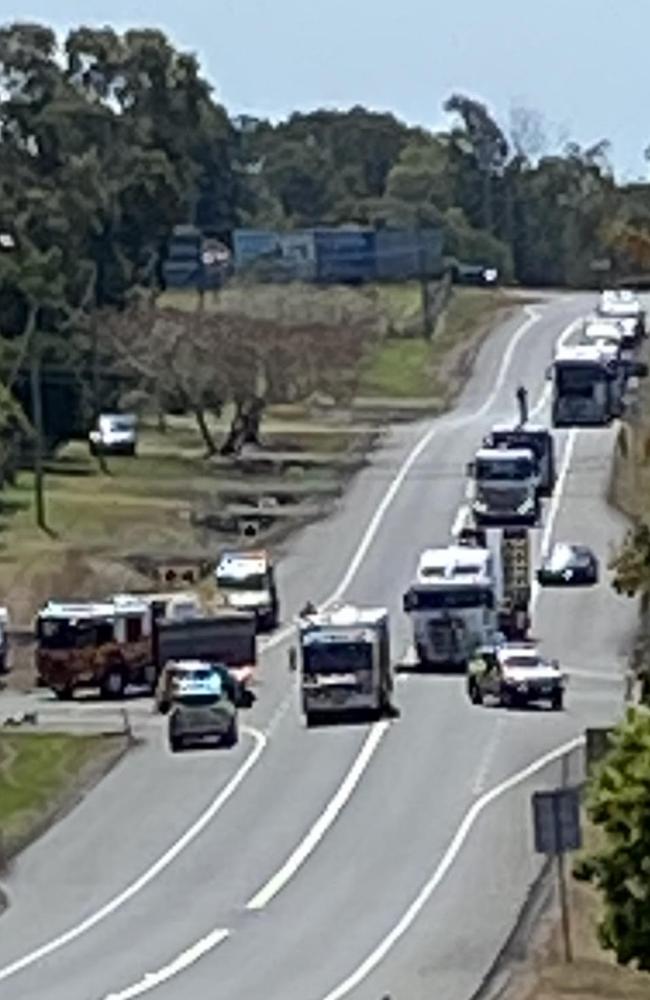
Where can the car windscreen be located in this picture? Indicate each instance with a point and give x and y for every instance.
(252, 581)
(579, 380)
(448, 599)
(529, 662)
(337, 657)
(503, 469)
(509, 439)
(61, 633)
(198, 700)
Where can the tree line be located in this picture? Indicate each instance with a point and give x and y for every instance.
(109, 139)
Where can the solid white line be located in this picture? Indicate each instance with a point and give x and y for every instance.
(554, 508)
(371, 530)
(449, 857)
(153, 979)
(416, 451)
(459, 520)
(281, 877)
(324, 821)
(155, 869)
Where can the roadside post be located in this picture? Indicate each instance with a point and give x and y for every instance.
(556, 821)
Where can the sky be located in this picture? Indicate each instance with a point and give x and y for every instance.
(584, 64)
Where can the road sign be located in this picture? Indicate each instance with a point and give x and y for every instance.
(556, 817)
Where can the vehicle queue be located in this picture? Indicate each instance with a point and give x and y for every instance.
(469, 604)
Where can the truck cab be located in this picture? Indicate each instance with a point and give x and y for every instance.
(623, 305)
(102, 644)
(451, 605)
(586, 386)
(246, 582)
(344, 661)
(534, 438)
(505, 487)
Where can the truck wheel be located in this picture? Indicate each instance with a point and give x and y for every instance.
(113, 683)
(150, 677)
(311, 719)
(65, 693)
(557, 701)
(475, 694)
(176, 743)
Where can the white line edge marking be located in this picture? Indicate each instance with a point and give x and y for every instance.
(153, 979)
(158, 866)
(447, 860)
(324, 821)
(371, 530)
(343, 793)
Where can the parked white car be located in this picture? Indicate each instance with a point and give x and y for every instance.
(115, 434)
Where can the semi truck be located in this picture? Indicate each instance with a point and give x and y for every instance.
(589, 383)
(505, 487)
(344, 663)
(511, 567)
(452, 605)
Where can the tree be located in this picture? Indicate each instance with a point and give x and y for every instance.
(619, 804)
(485, 142)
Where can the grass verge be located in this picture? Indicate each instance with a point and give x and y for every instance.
(42, 775)
(410, 367)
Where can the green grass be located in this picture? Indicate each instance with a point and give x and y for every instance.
(410, 367)
(400, 369)
(39, 772)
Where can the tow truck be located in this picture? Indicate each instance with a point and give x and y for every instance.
(344, 663)
(246, 582)
(515, 674)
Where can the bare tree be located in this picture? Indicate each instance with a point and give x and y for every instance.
(527, 132)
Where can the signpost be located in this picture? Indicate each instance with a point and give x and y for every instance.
(556, 819)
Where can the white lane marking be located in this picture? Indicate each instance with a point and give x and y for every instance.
(306, 846)
(151, 980)
(154, 870)
(607, 677)
(554, 507)
(396, 484)
(562, 339)
(459, 520)
(416, 451)
(448, 859)
(366, 540)
(324, 821)
(489, 753)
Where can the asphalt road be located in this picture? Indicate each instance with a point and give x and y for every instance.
(362, 861)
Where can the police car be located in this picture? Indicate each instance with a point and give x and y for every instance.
(515, 674)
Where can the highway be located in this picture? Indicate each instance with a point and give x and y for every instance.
(367, 860)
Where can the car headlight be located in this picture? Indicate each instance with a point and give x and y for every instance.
(480, 506)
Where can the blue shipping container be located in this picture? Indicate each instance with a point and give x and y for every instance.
(250, 245)
(402, 254)
(345, 255)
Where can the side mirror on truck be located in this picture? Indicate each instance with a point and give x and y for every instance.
(471, 469)
(408, 602)
(637, 369)
(293, 660)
